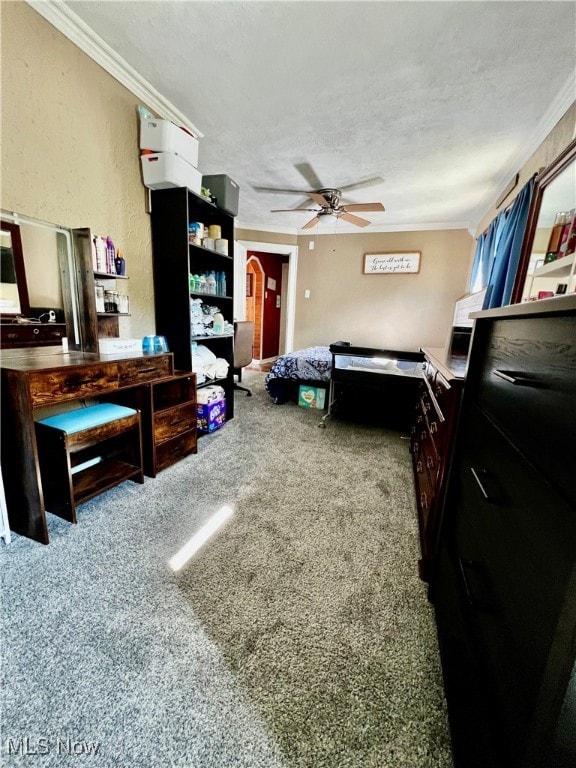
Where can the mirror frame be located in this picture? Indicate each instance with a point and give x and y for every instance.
(19, 269)
(543, 179)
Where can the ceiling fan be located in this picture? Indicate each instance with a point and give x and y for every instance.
(328, 198)
(330, 204)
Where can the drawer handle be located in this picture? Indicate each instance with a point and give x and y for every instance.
(471, 599)
(87, 380)
(36, 331)
(178, 421)
(481, 476)
(146, 370)
(520, 379)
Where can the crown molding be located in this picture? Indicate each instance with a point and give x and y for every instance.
(557, 109)
(374, 229)
(79, 33)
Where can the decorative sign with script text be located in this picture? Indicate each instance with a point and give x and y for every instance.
(399, 263)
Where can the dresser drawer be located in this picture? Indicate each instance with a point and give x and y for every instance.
(527, 385)
(31, 334)
(140, 369)
(177, 448)
(72, 383)
(514, 539)
(174, 421)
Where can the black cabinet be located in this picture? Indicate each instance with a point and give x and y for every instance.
(174, 260)
(504, 588)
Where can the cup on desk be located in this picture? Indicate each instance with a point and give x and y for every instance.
(160, 344)
(148, 345)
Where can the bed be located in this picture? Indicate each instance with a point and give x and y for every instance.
(311, 367)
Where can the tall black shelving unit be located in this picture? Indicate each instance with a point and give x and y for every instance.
(173, 261)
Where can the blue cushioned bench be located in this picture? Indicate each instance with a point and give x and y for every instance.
(85, 452)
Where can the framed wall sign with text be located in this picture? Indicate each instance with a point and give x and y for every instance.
(397, 263)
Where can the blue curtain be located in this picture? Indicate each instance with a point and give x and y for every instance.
(501, 249)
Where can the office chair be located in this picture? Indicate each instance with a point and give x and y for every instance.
(243, 341)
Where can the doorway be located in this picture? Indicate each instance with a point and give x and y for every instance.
(287, 294)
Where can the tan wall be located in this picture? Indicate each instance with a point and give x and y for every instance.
(69, 151)
(393, 311)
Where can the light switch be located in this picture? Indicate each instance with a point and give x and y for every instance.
(311, 245)
(306, 294)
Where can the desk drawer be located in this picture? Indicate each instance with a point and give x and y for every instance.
(527, 385)
(72, 383)
(177, 448)
(31, 334)
(139, 369)
(174, 421)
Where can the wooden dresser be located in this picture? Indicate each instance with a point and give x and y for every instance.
(35, 378)
(504, 587)
(431, 444)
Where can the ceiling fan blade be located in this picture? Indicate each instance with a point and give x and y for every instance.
(292, 210)
(309, 174)
(361, 184)
(311, 223)
(354, 219)
(320, 199)
(364, 207)
(275, 190)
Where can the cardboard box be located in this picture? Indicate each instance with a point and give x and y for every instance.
(224, 190)
(312, 397)
(164, 136)
(163, 170)
(211, 416)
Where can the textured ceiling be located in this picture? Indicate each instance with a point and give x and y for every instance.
(436, 98)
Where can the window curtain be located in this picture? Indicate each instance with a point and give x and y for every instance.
(498, 251)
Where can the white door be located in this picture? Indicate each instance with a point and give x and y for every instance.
(239, 281)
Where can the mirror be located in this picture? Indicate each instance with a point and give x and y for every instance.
(38, 273)
(547, 264)
(13, 285)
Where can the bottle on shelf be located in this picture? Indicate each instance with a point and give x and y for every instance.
(211, 283)
(120, 263)
(110, 256)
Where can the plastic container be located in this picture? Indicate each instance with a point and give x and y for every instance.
(164, 170)
(164, 136)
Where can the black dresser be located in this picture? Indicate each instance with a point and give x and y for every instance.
(504, 586)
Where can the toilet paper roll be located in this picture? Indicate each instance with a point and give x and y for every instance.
(221, 246)
(215, 231)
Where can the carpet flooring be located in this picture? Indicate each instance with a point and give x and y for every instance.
(298, 636)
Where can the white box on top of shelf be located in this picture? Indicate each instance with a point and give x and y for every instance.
(116, 346)
(162, 170)
(164, 136)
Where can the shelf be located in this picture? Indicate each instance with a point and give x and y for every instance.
(108, 276)
(210, 382)
(560, 268)
(210, 296)
(212, 336)
(211, 252)
(101, 477)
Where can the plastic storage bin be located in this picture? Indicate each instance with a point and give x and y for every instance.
(162, 170)
(164, 136)
(224, 190)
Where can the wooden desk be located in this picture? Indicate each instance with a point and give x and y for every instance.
(35, 378)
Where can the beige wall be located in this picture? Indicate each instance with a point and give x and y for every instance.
(69, 151)
(393, 311)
